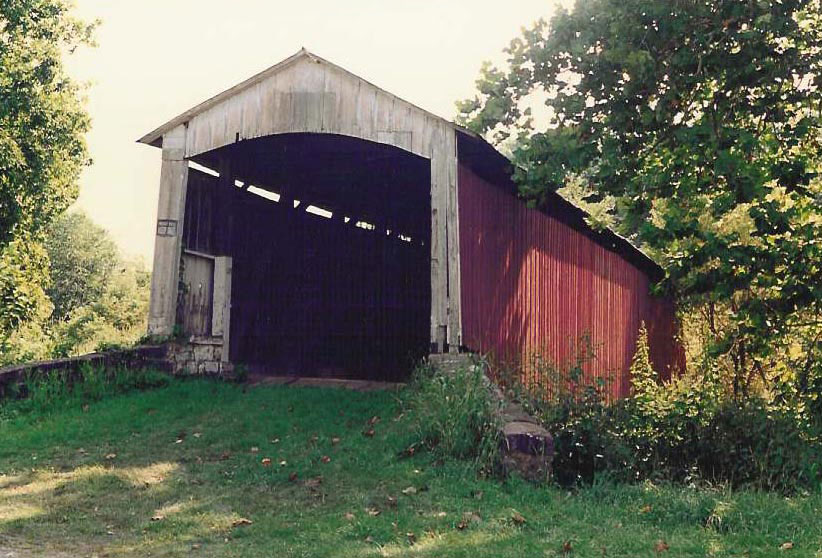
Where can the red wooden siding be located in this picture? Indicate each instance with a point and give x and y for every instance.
(533, 283)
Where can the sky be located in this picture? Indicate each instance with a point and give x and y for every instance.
(157, 58)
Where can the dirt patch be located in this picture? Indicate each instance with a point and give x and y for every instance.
(12, 547)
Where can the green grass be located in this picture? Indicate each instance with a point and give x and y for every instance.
(60, 493)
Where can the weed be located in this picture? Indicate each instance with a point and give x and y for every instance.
(42, 393)
(454, 415)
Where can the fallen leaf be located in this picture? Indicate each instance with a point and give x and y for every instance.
(391, 501)
(517, 518)
(196, 546)
(111, 456)
(441, 514)
(197, 435)
(373, 512)
(412, 538)
(373, 420)
(661, 546)
(566, 548)
(157, 517)
(283, 463)
(369, 539)
(462, 525)
(292, 477)
(349, 516)
(409, 491)
(369, 433)
(478, 494)
(646, 509)
(85, 408)
(255, 449)
(225, 455)
(178, 441)
(82, 451)
(266, 461)
(786, 545)
(314, 439)
(240, 522)
(335, 441)
(275, 441)
(325, 459)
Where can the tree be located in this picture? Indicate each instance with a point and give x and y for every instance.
(42, 146)
(82, 258)
(97, 298)
(117, 317)
(699, 121)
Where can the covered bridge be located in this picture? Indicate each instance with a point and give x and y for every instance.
(311, 223)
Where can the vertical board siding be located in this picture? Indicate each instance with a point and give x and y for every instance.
(196, 308)
(532, 284)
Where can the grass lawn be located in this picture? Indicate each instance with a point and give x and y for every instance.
(207, 469)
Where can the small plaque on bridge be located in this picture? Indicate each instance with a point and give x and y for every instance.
(166, 227)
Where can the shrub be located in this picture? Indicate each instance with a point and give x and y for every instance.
(454, 415)
(685, 430)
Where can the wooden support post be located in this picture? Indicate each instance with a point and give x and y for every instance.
(225, 195)
(443, 157)
(169, 233)
(453, 237)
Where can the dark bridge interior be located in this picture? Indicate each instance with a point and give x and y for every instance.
(330, 240)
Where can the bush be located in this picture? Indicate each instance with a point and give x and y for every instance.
(685, 430)
(454, 415)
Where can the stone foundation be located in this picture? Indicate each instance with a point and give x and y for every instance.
(199, 356)
(140, 357)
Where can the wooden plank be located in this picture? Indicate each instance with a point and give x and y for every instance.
(383, 111)
(226, 264)
(197, 304)
(222, 298)
(452, 218)
(439, 271)
(366, 117)
(332, 83)
(347, 91)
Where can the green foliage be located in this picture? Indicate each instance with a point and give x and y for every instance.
(686, 430)
(82, 259)
(100, 300)
(116, 319)
(23, 273)
(42, 146)
(454, 415)
(56, 390)
(697, 125)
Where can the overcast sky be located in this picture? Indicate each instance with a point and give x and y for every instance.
(157, 58)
